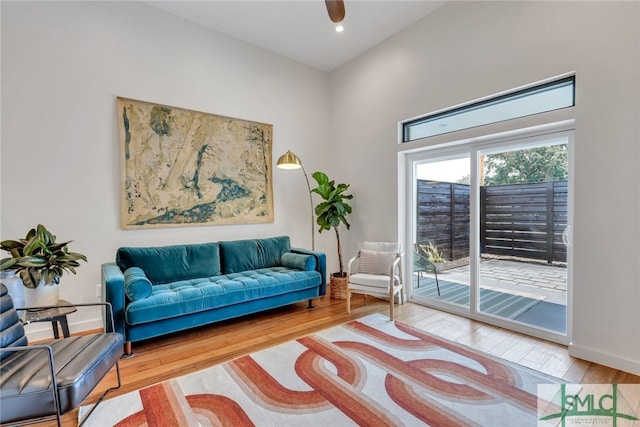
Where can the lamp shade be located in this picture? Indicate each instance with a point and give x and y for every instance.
(289, 161)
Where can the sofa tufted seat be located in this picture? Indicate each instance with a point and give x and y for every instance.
(191, 296)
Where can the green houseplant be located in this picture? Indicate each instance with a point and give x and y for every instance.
(435, 255)
(333, 210)
(38, 258)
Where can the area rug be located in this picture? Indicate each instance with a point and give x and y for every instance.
(368, 372)
(502, 304)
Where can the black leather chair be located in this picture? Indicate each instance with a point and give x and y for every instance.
(42, 382)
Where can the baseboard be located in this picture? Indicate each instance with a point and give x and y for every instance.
(43, 331)
(606, 359)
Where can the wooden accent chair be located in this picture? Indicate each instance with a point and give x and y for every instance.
(42, 382)
(378, 273)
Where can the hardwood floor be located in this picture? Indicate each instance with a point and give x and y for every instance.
(186, 352)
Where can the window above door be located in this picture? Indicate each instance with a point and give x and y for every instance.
(536, 98)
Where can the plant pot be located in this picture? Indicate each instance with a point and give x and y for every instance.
(42, 296)
(338, 286)
(15, 287)
(439, 266)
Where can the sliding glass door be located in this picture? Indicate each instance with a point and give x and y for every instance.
(523, 214)
(490, 231)
(442, 230)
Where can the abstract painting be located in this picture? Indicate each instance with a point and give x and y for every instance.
(183, 168)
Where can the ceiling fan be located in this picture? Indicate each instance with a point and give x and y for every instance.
(335, 9)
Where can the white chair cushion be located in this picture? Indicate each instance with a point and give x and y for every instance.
(360, 280)
(375, 262)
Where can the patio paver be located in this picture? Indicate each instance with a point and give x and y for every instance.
(548, 281)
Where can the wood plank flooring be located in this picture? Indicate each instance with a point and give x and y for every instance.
(186, 352)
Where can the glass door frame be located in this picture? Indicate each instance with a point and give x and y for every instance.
(473, 148)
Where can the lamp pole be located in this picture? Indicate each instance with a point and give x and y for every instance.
(290, 161)
(313, 237)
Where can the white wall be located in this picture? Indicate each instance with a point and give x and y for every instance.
(64, 63)
(467, 50)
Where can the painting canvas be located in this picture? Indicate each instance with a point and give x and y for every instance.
(185, 168)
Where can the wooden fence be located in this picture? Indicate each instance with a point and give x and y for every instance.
(524, 220)
(443, 217)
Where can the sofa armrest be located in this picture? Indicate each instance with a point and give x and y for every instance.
(113, 293)
(321, 265)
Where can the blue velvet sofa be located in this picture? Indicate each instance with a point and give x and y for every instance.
(159, 290)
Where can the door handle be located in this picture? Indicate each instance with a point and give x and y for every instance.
(567, 236)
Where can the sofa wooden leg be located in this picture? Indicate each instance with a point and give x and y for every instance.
(127, 350)
(310, 306)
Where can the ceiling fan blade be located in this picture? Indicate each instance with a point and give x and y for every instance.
(335, 9)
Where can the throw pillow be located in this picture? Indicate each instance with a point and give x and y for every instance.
(136, 284)
(299, 261)
(375, 262)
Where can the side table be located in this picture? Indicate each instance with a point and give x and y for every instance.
(54, 315)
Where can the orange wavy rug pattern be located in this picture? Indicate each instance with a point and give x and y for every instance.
(368, 372)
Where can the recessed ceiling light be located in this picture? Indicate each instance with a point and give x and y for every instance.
(339, 28)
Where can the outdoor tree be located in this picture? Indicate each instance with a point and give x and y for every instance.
(540, 164)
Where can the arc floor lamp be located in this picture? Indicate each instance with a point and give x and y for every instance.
(290, 161)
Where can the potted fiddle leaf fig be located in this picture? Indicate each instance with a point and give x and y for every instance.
(331, 213)
(39, 260)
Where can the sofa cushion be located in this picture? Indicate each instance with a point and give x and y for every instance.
(136, 284)
(252, 254)
(191, 296)
(166, 264)
(299, 261)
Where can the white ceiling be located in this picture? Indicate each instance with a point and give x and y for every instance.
(301, 29)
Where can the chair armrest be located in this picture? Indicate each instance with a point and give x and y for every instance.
(52, 371)
(351, 261)
(394, 264)
(19, 348)
(113, 292)
(321, 265)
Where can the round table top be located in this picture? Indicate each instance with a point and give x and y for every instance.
(47, 314)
